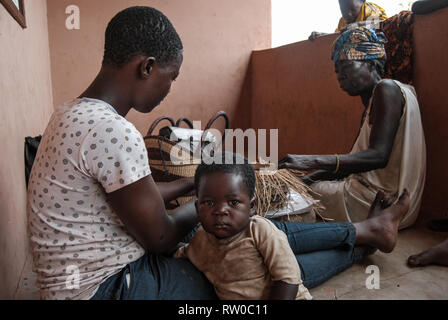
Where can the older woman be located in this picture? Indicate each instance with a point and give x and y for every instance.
(389, 154)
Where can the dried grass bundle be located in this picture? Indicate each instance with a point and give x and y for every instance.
(272, 190)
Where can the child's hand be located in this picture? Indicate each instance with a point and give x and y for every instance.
(315, 35)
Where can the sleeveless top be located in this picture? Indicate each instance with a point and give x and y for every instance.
(406, 168)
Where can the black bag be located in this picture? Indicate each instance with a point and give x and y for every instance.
(31, 145)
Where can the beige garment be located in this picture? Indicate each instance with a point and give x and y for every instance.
(244, 266)
(350, 199)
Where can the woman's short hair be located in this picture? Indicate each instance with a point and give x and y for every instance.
(141, 31)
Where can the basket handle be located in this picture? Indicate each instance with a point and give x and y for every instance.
(157, 121)
(210, 123)
(187, 121)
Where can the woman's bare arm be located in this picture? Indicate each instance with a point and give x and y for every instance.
(141, 208)
(172, 190)
(385, 115)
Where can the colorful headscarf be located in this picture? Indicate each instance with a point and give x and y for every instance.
(359, 43)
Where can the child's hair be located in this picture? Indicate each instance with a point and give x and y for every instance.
(228, 163)
(141, 31)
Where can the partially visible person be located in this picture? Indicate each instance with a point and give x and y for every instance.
(249, 257)
(359, 10)
(428, 6)
(97, 220)
(399, 33)
(355, 11)
(435, 255)
(389, 154)
(439, 253)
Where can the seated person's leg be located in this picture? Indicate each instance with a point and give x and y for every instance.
(173, 279)
(157, 277)
(435, 255)
(318, 267)
(379, 230)
(310, 237)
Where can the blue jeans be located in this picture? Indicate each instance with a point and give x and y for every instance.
(322, 250)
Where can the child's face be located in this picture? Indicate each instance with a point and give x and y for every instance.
(223, 204)
(350, 9)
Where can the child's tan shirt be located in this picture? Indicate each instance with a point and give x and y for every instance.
(245, 265)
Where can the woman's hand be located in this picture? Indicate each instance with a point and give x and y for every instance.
(298, 162)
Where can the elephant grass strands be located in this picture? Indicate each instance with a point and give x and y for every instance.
(272, 190)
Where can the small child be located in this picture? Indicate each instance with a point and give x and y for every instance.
(243, 255)
(359, 10)
(355, 11)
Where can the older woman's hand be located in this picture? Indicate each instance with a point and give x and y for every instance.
(298, 162)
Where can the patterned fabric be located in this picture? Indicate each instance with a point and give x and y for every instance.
(369, 11)
(77, 239)
(399, 32)
(359, 43)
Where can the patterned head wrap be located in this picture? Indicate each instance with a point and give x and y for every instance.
(359, 43)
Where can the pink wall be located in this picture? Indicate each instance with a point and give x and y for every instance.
(26, 105)
(218, 38)
(294, 88)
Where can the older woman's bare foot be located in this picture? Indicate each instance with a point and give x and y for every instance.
(434, 255)
(373, 211)
(380, 203)
(380, 229)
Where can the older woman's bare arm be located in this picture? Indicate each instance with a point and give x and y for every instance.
(385, 115)
(141, 208)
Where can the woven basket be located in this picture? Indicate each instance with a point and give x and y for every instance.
(166, 168)
(162, 168)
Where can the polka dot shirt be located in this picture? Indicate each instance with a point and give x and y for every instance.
(77, 240)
